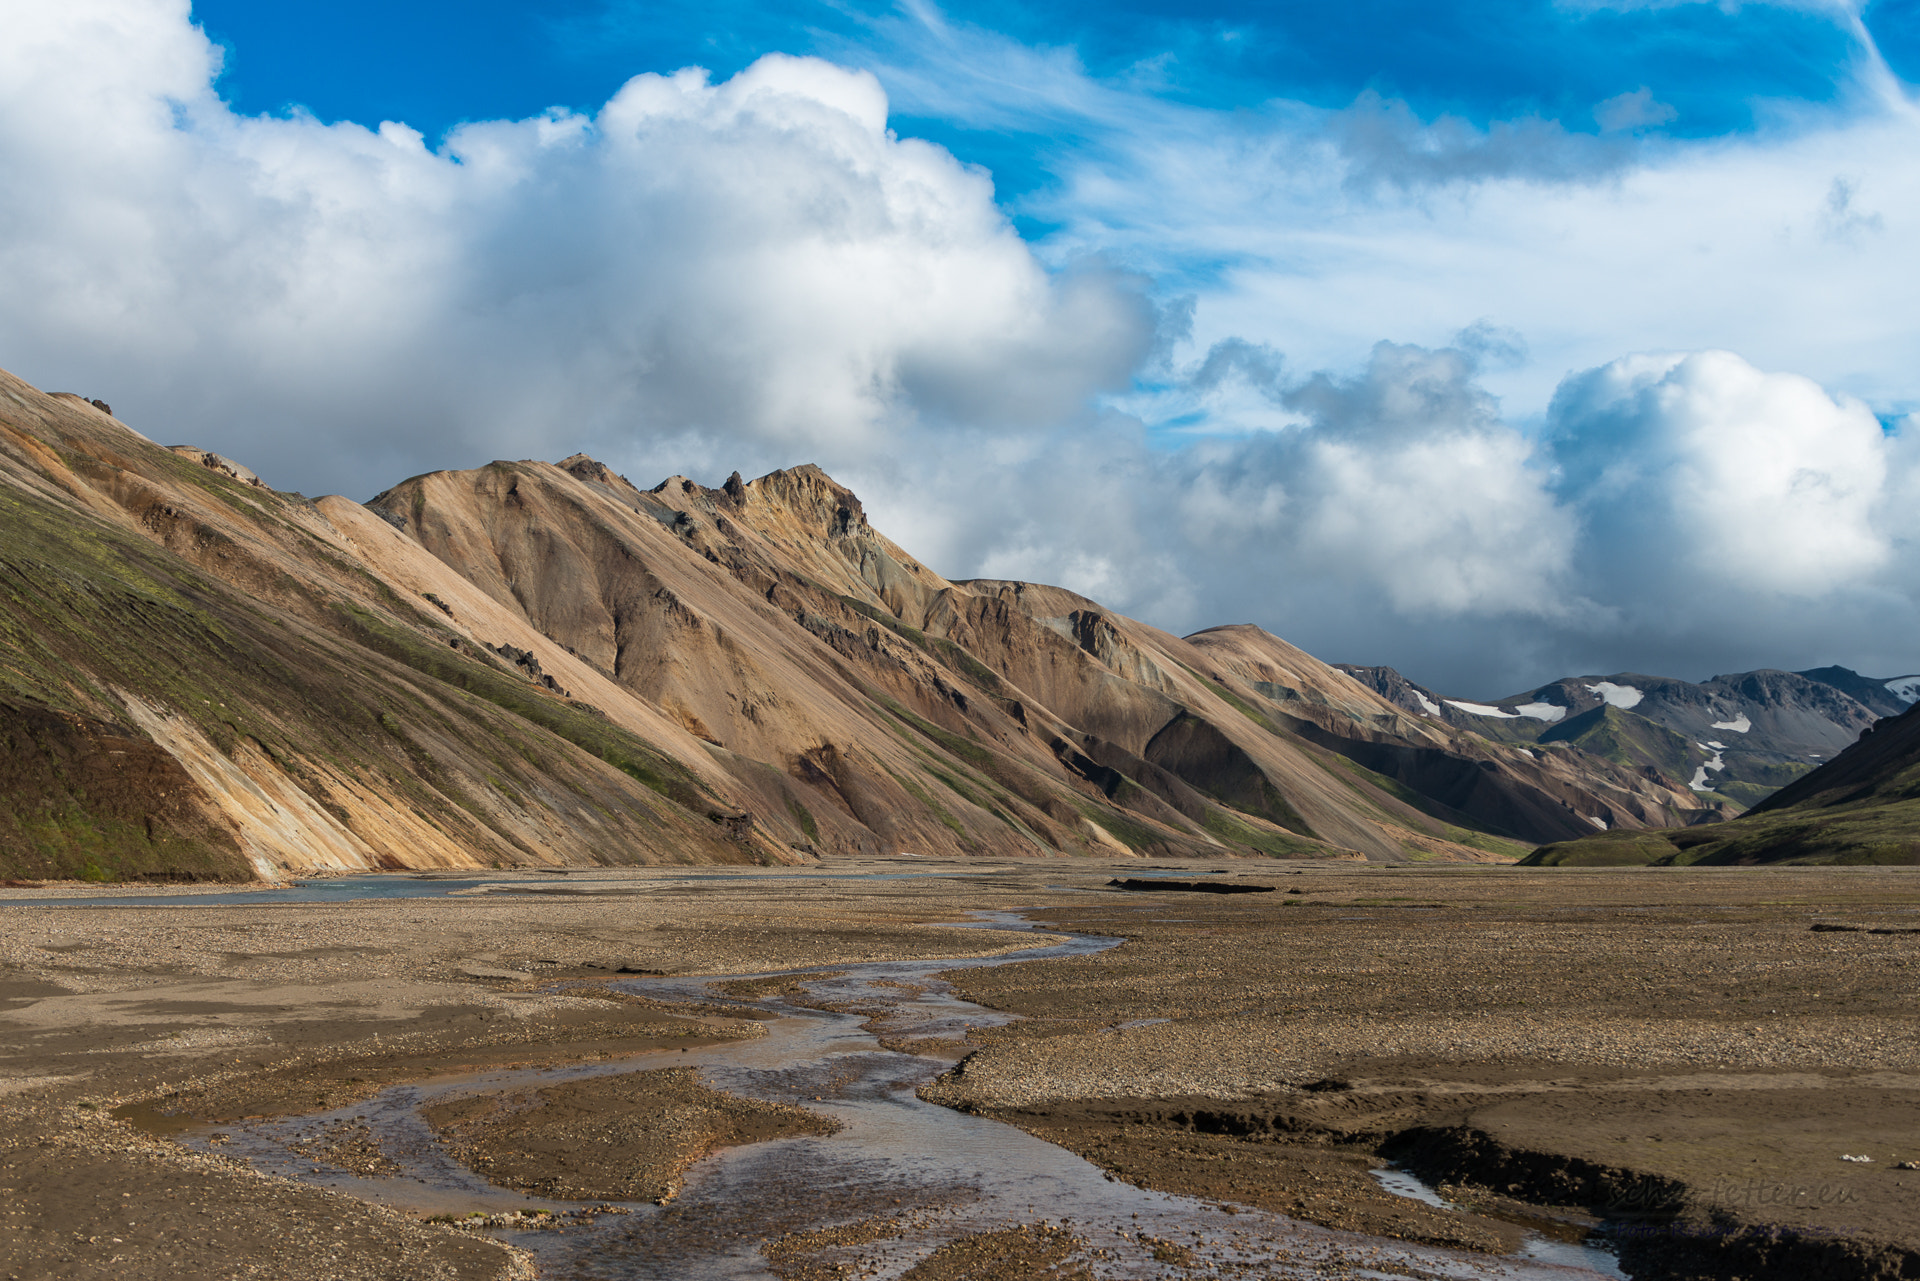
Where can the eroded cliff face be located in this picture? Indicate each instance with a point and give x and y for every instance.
(543, 664)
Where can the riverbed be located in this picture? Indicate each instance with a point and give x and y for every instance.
(913, 1176)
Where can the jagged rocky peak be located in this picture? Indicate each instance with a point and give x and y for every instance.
(812, 497)
(806, 494)
(1389, 684)
(210, 460)
(594, 472)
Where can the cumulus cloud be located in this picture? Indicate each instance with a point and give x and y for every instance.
(701, 276)
(1701, 463)
(1398, 502)
(759, 258)
(1685, 514)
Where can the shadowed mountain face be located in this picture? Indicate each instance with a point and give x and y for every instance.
(1733, 740)
(542, 664)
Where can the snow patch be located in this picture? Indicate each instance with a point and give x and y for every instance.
(1481, 709)
(1524, 752)
(1598, 822)
(1699, 783)
(1433, 708)
(1905, 688)
(1620, 696)
(1715, 744)
(1548, 712)
(1738, 725)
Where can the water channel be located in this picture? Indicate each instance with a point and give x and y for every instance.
(942, 1174)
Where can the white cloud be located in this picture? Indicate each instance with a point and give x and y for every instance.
(1397, 505)
(1759, 481)
(756, 273)
(1682, 515)
(760, 259)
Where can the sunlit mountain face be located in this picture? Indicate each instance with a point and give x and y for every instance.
(1489, 343)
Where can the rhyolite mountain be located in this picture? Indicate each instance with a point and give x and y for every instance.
(537, 664)
(1735, 739)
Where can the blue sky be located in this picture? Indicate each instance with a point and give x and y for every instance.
(1492, 341)
(434, 64)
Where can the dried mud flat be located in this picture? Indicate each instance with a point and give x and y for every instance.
(1675, 1051)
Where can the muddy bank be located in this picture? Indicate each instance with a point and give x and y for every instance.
(1249, 1154)
(617, 1138)
(1508, 1163)
(89, 1198)
(1726, 1174)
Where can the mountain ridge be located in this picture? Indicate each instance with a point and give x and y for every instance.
(542, 664)
(1863, 807)
(1739, 736)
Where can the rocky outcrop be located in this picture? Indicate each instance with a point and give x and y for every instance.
(211, 461)
(524, 660)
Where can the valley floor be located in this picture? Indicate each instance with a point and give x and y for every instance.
(1688, 1055)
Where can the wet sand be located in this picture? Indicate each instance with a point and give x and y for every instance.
(1676, 1050)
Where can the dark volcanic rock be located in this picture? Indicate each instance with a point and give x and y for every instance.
(1190, 887)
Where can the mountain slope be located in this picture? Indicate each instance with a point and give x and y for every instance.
(200, 677)
(1862, 807)
(1881, 697)
(1453, 774)
(1740, 737)
(542, 664)
(779, 626)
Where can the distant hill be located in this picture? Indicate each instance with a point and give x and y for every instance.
(1862, 807)
(539, 664)
(1734, 740)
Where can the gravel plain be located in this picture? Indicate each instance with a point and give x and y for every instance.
(1677, 1048)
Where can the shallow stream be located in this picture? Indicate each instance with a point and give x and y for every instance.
(386, 885)
(942, 1174)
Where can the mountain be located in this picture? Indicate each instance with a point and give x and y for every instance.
(203, 678)
(1733, 738)
(1882, 698)
(1001, 683)
(1861, 807)
(535, 664)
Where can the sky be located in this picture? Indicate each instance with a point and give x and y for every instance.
(1494, 342)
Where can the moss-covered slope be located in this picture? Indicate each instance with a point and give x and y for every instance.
(1862, 807)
